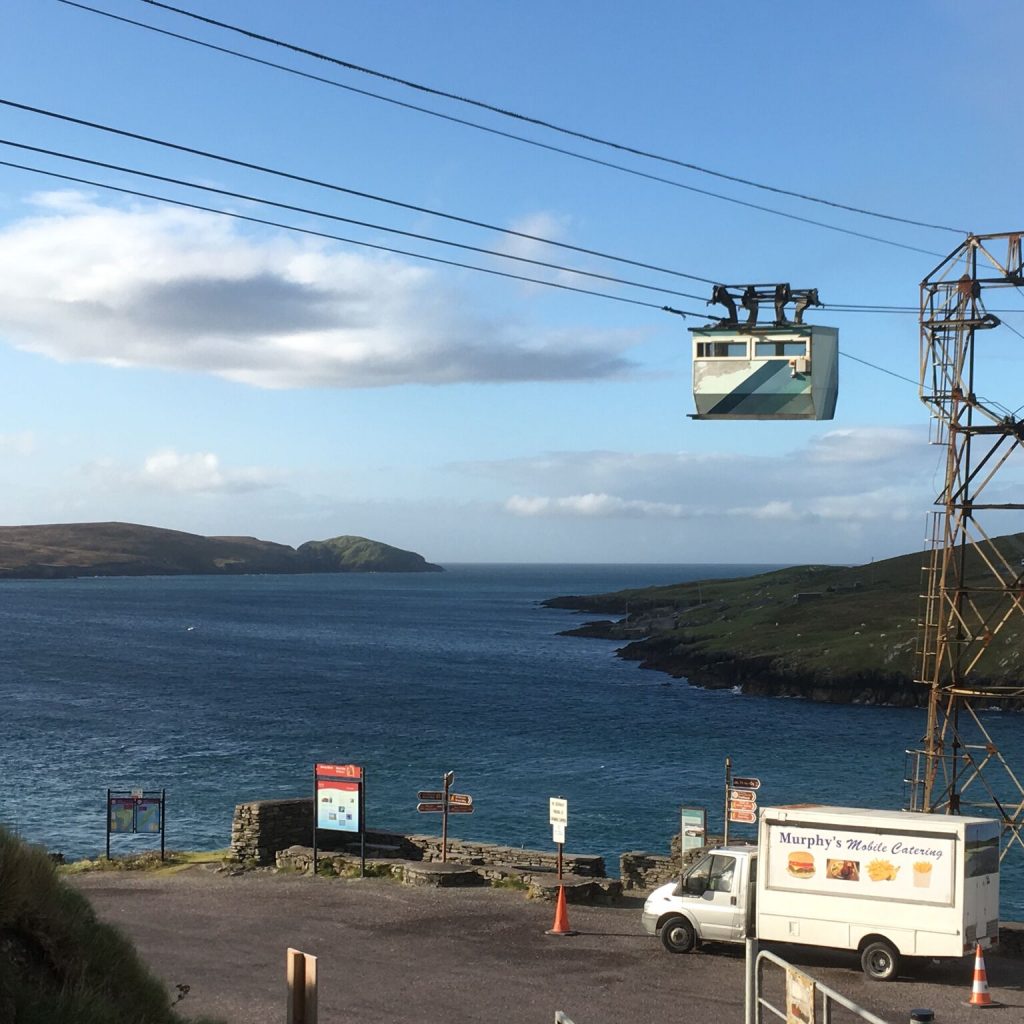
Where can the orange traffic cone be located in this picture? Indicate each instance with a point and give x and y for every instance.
(979, 990)
(561, 925)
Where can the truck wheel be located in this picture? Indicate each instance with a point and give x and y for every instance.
(678, 936)
(880, 961)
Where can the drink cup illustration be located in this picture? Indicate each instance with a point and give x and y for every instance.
(922, 874)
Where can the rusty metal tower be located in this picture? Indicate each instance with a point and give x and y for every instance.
(971, 632)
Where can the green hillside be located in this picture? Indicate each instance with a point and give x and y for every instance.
(58, 964)
(357, 554)
(124, 549)
(829, 632)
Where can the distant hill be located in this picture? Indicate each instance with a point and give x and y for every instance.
(123, 549)
(831, 633)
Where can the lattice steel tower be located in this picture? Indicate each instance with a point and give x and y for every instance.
(971, 633)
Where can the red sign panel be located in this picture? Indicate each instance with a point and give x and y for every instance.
(742, 814)
(340, 771)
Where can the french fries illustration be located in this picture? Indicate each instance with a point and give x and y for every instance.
(882, 871)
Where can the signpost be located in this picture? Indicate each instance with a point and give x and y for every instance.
(339, 804)
(558, 817)
(740, 799)
(135, 812)
(445, 802)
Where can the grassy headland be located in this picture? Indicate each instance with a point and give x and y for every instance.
(67, 550)
(831, 633)
(57, 961)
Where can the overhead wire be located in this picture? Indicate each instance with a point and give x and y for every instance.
(303, 179)
(234, 215)
(504, 112)
(350, 241)
(167, 179)
(518, 138)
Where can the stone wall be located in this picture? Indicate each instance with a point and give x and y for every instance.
(466, 851)
(260, 828)
(263, 827)
(642, 871)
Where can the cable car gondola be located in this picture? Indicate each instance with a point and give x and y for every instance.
(787, 370)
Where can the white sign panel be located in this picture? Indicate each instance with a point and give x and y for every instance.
(558, 833)
(879, 865)
(337, 805)
(558, 811)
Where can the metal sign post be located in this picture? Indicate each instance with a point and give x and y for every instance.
(558, 817)
(728, 786)
(449, 778)
(339, 804)
(740, 799)
(444, 802)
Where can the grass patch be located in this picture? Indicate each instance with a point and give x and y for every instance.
(510, 882)
(58, 963)
(173, 862)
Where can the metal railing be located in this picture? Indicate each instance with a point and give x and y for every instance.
(757, 1003)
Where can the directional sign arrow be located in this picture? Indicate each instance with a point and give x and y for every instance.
(459, 799)
(743, 783)
(461, 808)
(428, 807)
(741, 814)
(430, 794)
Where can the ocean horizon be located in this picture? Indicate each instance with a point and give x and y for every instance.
(221, 690)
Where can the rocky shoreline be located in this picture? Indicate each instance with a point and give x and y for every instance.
(762, 676)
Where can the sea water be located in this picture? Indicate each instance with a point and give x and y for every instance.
(222, 690)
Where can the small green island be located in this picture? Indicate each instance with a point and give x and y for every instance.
(65, 551)
(836, 634)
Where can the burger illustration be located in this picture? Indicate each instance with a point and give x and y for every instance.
(801, 864)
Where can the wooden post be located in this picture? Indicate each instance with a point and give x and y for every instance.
(300, 969)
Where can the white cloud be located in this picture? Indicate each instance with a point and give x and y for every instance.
(176, 472)
(178, 289)
(23, 443)
(840, 479)
(595, 506)
(865, 444)
(199, 471)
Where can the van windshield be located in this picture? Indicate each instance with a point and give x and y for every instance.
(712, 873)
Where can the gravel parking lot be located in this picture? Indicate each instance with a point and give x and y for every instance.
(390, 953)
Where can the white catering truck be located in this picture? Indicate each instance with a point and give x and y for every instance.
(887, 884)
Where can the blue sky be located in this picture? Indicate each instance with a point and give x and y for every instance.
(185, 370)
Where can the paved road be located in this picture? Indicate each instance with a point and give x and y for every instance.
(395, 954)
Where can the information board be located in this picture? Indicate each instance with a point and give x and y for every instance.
(337, 805)
(693, 828)
(135, 811)
(122, 814)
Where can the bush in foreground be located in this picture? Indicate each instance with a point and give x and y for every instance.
(58, 963)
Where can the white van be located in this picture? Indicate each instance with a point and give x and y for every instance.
(888, 884)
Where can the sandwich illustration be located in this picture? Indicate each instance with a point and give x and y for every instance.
(800, 864)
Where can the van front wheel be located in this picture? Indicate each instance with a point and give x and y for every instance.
(880, 961)
(678, 936)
